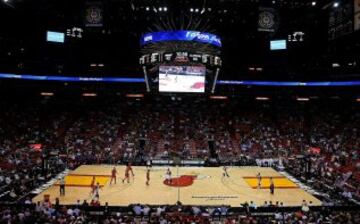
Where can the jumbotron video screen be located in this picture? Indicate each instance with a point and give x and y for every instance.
(185, 79)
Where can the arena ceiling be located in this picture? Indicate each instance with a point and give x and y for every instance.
(115, 44)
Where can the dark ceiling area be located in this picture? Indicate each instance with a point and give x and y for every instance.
(115, 45)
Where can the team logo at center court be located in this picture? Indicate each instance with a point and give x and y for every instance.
(184, 180)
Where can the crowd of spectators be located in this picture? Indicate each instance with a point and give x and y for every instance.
(143, 214)
(318, 142)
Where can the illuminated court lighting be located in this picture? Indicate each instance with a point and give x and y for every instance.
(302, 99)
(89, 94)
(218, 97)
(134, 95)
(262, 98)
(46, 94)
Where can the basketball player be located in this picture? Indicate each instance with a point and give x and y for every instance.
(272, 186)
(147, 176)
(62, 186)
(258, 176)
(96, 190)
(113, 175)
(168, 176)
(127, 173)
(92, 185)
(225, 173)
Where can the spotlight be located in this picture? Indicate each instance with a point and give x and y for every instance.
(46, 93)
(262, 98)
(313, 3)
(336, 4)
(160, 9)
(148, 8)
(89, 94)
(335, 65)
(6, 1)
(196, 10)
(130, 95)
(165, 9)
(218, 97)
(191, 10)
(303, 99)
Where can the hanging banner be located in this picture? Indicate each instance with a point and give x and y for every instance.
(356, 15)
(268, 20)
(356, 6)
(94, 14)
(341, 20)
(357, 21)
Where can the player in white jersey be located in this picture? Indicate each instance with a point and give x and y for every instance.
(225, 173)
(168, 176)
(258, 176)
(96, 190)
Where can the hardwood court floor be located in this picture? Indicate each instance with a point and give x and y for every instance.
(208, 187)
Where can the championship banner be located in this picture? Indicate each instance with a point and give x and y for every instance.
(357, 21)
(94, 14)
(356, 6)
(341, 20)
(268, 20)
(356, 15)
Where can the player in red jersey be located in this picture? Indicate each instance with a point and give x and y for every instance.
(113, 175)
(147, 176)
(127, 173)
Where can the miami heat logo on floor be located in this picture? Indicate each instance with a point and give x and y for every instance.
(184, 180)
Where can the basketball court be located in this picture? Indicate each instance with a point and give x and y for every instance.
(190, 185)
